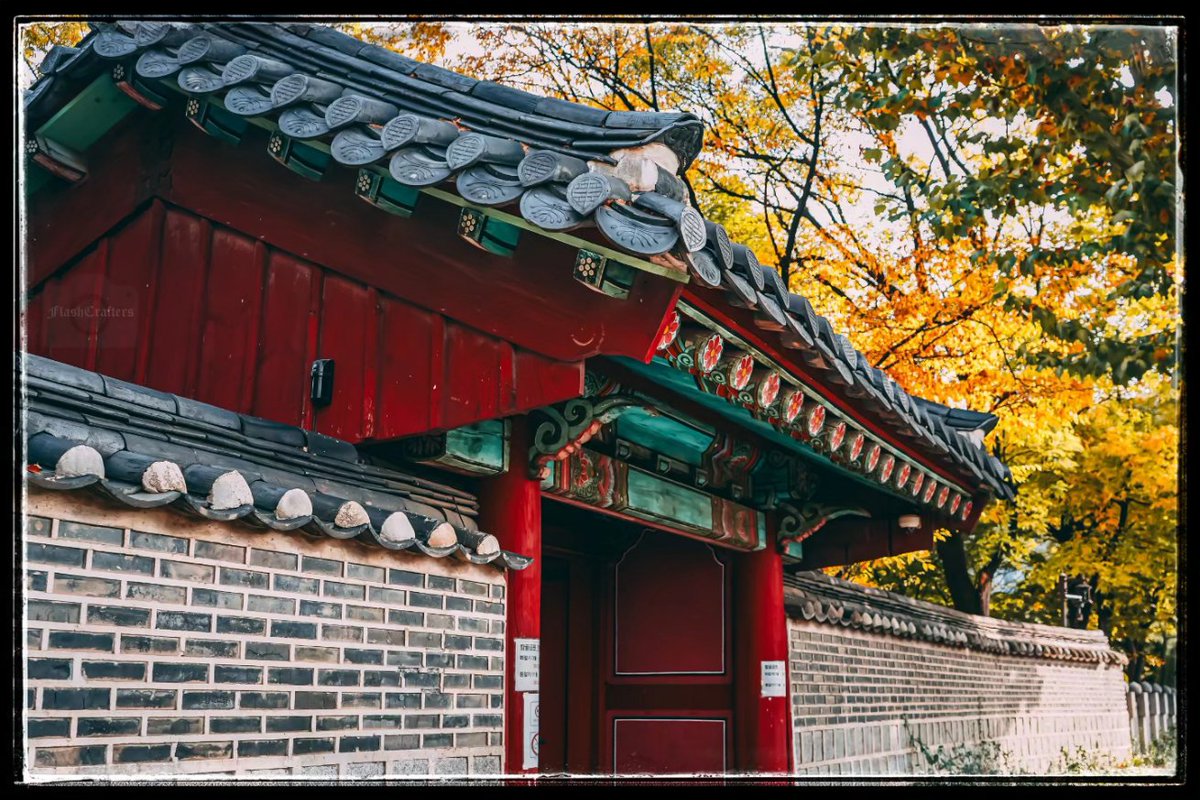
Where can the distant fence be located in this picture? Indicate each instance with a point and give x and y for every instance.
(1151, 713)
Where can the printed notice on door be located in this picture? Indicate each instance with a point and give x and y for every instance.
(532, 735)
(526, 670)
(774, 683)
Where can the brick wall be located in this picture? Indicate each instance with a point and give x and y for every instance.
(156, 645)
(859, 698)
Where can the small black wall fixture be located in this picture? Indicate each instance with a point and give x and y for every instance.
(321, 389)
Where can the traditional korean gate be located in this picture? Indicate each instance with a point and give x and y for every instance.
(637, 673)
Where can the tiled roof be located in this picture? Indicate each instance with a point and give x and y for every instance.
(828, 600)
(502, 147)
(149, 449)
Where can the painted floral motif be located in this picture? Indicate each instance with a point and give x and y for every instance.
(930, 488)
(768, 390)
(943, 496)
(966, 509)
(816, 420)
(885, 472)
(740, 372)
(670, 331)
(710, 353)
(954, 503)
(857, 442)
(873, 457)
(791, 408)
(837, 436)
(902, 475)
(918, 481)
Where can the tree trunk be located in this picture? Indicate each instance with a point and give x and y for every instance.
(953, 555)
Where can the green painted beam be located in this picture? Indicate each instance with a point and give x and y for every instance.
(91, 114)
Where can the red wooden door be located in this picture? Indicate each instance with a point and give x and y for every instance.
(668, 692)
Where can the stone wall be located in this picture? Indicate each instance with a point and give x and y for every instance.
(159, 645)
(866, 702)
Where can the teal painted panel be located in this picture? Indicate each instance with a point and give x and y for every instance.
(656, 498)
(89, 116)
(663, 374)
(482, 446)
(664, 435)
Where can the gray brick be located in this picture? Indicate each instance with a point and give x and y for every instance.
(493, 645)
(148, 644)
(385, 636)
(85, 584)
(49, 728)
(376, 678)
(115, 562)
(381, 594)
(292, 676)
(405, 617)
(307, 746)
(52, 669)
(273, 559)
(145, 698)
(422, 600)
(243, 577)
(470, 701)
(404, 658)
(400, 577)
(316, 700)
(365, 613)
(267, 651)
(157, 593)
(437, 700)
(313, 608)
(406, 741)
(498, 591)
(324, 654)
(108, 726)
(473, 739)
(220, 552)
(271, 605)
(39, 526)
(455, 642)
(186, 751)
(235, 725)
(51, 611)
(295, 583)
(425, 639)
(39, 553)
(322, 566)
(342, 723)
(348, 591)
(361, 700)
(435, 741)
(215, 599)
(440, 660)
(457, 603)
(289, 724)
(223, 673)
(35, 581)
(241, 625)
(183, 571)
(90, 533)
(339, 677)
(426, 680)
(473, 587)
(366, 573)
(117, 615)
(263, 699)
(473, 624)
(254, 748)
(70, 640)
(183, 621)
(293, 630)
(153, 541)
(358, 744)
(488, 608)
(82, 756)
(174, 726)
(71, 699)
(356, 656)
(114, 670)
(211, 648)
(207, 700)
(342, 633)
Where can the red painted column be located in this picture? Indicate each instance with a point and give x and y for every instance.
(510, 508)
(762, 725)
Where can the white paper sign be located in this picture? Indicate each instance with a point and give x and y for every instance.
(526, 670)
(532, 731)
(774, 681)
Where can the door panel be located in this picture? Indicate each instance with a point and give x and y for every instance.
(669, 745)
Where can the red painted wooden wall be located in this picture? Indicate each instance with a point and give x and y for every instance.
(175, 301)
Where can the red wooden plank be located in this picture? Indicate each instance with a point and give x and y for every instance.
(408, 373)
(472, 380)
(174, 345)
(227, 355)
(34, 323)
(71, 322)
(126, 295)
(157, 214)
(124, 170)
(313, 336)
(531, 299)
(345, 314)
(670, 622)
(282, 377)
(370, 369)
(541, 381)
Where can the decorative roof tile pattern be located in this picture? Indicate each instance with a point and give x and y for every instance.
(149, 449)
(562, 165)
(819, 597)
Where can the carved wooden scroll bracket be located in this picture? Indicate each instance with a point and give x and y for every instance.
(797, 523)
